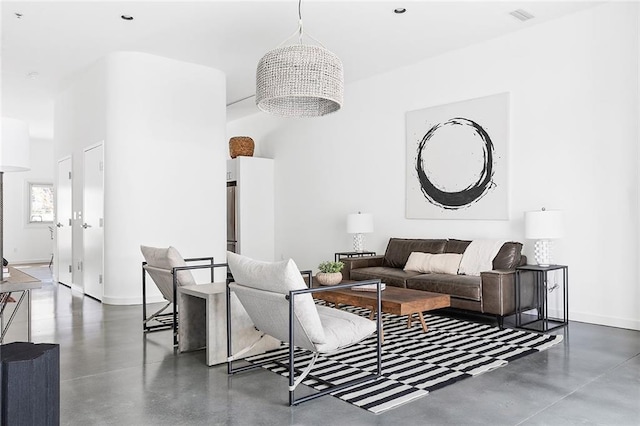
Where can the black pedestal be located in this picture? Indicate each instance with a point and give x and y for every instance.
(30, 384)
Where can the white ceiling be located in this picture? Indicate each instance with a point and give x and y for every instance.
(57, 39)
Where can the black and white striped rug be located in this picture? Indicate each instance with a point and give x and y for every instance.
(413, 363)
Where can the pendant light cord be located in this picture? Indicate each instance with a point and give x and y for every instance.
(300, 31)
(300, 28)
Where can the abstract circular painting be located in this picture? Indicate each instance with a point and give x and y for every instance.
(456, 160)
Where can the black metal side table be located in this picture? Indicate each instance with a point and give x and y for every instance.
(543, 322)
(342, 254)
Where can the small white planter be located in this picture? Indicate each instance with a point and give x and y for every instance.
(329, 278)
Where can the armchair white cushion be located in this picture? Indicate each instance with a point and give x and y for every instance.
(280, 278)
(260, 286)
(342, 328)
(279, 303)
(160, 262)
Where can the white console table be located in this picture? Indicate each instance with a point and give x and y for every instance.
(203, 323)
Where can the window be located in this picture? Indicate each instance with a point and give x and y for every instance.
(40, 203)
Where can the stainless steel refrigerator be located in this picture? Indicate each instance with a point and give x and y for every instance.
(232, 229)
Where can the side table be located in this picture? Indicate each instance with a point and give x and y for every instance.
(203, 323)
(30, 385)
(543, 322)
(22, 282)
(342, 254)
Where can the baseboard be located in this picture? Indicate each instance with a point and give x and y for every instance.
(627, 323)
(76, 287)
(108, 300)
(28, 262)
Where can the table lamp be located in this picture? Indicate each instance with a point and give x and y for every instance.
(543, 226)
(359, 224)
(14, 157)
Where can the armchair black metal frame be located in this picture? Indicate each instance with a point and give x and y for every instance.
(290, 357)
(169, 320)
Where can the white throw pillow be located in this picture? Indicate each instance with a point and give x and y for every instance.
(167, 258)
(415, 262)
(441, 263)
(445, 263)
(279, 277)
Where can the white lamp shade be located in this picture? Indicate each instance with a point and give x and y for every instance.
(359, 223)
(14, 146)
(543, 225)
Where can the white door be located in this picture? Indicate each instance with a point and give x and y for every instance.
(93, 231)
(64, 234)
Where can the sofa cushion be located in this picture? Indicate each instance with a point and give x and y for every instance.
(461, 286)
(509, 256)
(441, 263)
(390, 276)
(456, 246)
(399, 249)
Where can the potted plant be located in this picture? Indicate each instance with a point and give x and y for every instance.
(330, 273)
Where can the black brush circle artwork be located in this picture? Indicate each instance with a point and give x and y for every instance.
(475, 191)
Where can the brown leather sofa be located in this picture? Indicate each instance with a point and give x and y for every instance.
(493, 292)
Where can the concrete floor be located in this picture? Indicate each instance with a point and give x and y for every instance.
(111, 373)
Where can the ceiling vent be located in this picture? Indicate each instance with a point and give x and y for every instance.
(521, 15)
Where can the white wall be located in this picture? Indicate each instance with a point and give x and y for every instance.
(79, 122)
(163, 126)
(25, 242)
(574, 146)
(166, 162)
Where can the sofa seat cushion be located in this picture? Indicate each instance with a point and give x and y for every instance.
(390, 276)
(461, 286)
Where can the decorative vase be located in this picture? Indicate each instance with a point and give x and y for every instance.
(241, 146)
(329, 278)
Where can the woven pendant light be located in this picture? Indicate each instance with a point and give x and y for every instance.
(299, 80)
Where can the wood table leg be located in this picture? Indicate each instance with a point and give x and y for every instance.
(424, 324)
(420, 318)
(372, 317)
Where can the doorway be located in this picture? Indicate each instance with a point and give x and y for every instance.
(64, 228)
(93, 225)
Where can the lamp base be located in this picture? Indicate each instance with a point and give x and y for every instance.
(542, 252)
(358, 242)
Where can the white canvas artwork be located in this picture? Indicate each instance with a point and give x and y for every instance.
(457, 160)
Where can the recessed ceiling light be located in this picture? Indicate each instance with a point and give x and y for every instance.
(33, 75)
(399, 10)
(521, 15)
(127, 17)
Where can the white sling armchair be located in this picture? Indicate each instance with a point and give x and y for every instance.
(168, 270)
(280, 305)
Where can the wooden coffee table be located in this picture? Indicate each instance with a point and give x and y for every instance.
(394, 300)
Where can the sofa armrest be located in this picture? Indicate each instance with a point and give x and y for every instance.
(359, 262)
(498, 291)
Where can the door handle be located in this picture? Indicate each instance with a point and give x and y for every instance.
(59, 225)
(86, 225)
